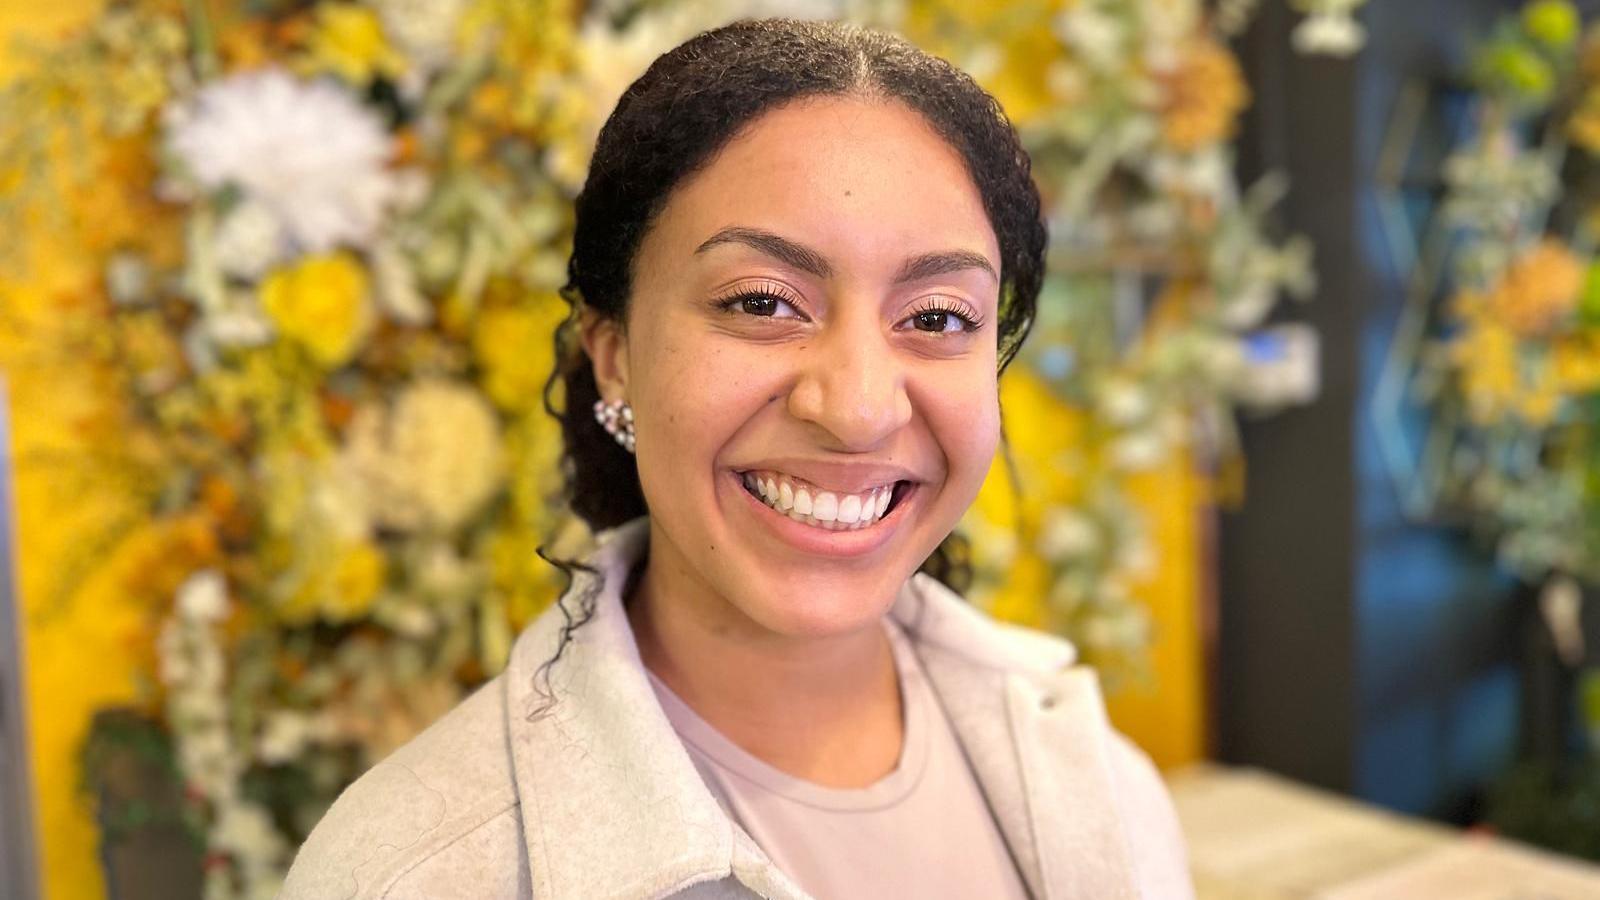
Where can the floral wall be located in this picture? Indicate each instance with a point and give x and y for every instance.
(276, 339)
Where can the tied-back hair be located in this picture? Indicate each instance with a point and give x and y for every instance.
(670, 123)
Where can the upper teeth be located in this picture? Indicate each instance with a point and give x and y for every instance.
(814, 506)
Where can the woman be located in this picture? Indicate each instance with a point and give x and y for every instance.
(803, 254)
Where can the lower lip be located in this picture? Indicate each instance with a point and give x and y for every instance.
(820, 541)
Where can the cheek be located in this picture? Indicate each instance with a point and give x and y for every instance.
(963, 415)
(689, 402)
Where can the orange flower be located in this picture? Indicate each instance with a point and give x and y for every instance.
(246, 45)
(1540, 290)
(1204, 95)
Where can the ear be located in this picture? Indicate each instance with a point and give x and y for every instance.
(607, 346)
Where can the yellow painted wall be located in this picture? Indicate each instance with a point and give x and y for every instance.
(81, 655)
(88, 652)
(1168, 718)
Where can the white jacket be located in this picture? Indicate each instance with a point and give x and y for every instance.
(598, 799)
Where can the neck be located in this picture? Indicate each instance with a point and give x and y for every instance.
(823, 708)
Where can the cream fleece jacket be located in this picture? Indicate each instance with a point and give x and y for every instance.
(596, 797)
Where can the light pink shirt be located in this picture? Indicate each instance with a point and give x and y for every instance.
(923, 830)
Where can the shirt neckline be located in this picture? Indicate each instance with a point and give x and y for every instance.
(731, 760)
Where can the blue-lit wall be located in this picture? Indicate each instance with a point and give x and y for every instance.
(1359, 650)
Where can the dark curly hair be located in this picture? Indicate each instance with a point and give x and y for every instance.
(670, 123)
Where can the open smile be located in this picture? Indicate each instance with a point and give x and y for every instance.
(820, 508)
(824, 522)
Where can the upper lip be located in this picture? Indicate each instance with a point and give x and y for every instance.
(840, 477)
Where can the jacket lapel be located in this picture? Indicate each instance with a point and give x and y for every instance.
(614, 808)
(1044, 765)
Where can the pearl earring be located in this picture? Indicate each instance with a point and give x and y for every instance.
(616, 418)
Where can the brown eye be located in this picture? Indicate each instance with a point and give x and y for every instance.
(763, 304)
(937, 318)
(759, 305)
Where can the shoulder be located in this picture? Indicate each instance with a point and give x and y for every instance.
(428, 816)
(1155, 836)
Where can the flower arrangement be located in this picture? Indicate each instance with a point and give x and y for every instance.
(1514, 368)
(1151, 327)
(328, 335)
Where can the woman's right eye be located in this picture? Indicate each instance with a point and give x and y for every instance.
(762, 304)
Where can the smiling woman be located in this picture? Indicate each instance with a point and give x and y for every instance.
(803, 255)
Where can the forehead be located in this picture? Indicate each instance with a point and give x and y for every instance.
(864, 181)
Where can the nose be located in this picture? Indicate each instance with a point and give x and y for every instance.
(852, 385)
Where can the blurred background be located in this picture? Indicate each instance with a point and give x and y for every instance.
(1302, 452)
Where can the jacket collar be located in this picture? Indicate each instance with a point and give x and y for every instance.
(614, 808)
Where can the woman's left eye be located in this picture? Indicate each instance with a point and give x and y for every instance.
(942, 320)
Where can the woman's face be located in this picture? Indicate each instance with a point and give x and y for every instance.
(810, 353)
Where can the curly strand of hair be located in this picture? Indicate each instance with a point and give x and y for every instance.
(586, 608)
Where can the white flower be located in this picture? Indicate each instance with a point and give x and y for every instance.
(1121, 627)
(338, 502)
(1334, 33)
(1166, 24)
(128, 278)
(1093, 34)
(307, 151)
(432, 460)
(250, 241)
(1207, 174)
(424, 30)
(1139, 451)
(203, 596)
(395, 281)
(1224, 359)
(238, 321)
(285, 735)
(1067, 535)
(1136, 556)
(1124, 401)
(245, 829)
(608, 59)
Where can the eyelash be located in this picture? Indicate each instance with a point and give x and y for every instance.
(969, 321)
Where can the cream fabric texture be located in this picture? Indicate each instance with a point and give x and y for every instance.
(593, 796)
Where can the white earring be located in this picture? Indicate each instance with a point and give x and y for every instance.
(617, 418)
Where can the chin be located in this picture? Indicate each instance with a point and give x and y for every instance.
(818, 607)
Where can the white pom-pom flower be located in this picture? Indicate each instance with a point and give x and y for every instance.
(307, 151)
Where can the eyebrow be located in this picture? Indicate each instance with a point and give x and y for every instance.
(799, 256)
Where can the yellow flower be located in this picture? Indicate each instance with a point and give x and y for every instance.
(356, 579)
(337, 584)
(1584, 126)
(1205, 93)
(1486, 357)
(1016, 54)
(527, 583)
(322, 304)
(1576, 362)
(348, 40)
(514, 346)
(1539, 401)
(1553, 23)
(1540, 289)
